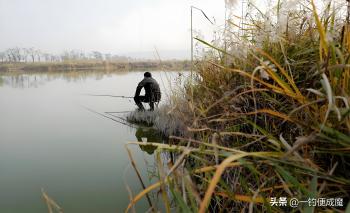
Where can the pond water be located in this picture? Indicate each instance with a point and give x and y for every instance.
(48, 140)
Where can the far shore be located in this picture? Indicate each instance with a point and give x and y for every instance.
(95, 65)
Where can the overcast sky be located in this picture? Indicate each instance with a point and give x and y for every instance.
(109, 26)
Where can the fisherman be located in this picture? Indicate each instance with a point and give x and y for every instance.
(152, 92)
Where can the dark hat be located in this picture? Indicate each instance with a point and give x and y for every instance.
(147, 74)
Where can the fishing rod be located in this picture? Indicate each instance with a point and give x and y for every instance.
(118, 112)
(118, 121)
(116, 116)
(113, 96)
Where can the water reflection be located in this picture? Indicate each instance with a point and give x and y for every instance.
(75, 155)
(36, 79)
(146, 134)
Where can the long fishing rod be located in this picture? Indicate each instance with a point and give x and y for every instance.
(118, 121)
(116, 116)
(113, 96)
(118, 112)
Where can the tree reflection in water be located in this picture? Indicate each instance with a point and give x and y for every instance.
(20, 79)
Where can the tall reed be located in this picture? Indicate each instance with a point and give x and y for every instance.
(268, 116)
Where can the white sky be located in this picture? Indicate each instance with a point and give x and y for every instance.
(109, 26)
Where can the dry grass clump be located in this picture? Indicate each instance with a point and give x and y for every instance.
(162, 119)
(270, 121)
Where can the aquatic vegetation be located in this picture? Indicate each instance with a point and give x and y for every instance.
(267, 115)
(52, 206)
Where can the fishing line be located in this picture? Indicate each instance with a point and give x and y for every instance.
(93, 111)
(116, 116)
(118, 112)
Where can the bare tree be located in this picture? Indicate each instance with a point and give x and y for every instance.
(38, 55)
(14, 54)
(8, 54)
(97, 55)
(2, 56)
(47, 57)
(65, 56)
(32, 53)
(25, 53)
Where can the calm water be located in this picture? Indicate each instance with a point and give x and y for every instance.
(48, 140)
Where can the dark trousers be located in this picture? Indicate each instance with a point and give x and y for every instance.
(139, 99)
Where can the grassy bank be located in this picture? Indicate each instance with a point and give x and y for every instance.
(162, 119)
(95, 65)
(267, 116)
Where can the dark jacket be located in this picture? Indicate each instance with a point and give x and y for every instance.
(152, 90)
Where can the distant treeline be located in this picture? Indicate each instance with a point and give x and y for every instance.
(96, 65)
(31, 59)
(17, 54)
